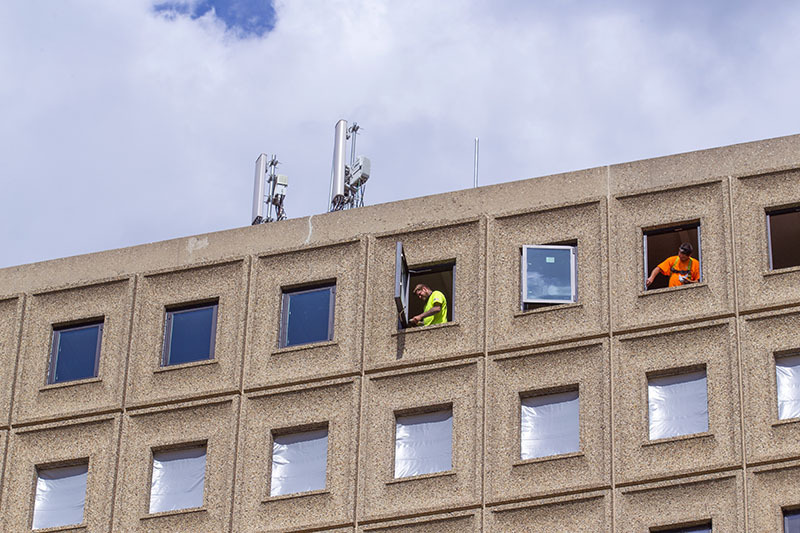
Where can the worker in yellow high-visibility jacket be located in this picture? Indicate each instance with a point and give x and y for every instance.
(435, 311)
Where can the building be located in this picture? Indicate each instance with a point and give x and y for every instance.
(620, 409)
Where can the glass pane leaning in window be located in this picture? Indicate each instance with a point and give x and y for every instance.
(299, 462)
(678, 405)
(178, 479)
(787, 374)
(549, 274)
(307, 316)
(190, 334)
(60, 496)
(75, 352)
(423, 443)
(549, 425)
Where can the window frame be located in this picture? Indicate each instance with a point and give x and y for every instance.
(298, 430)
(286, 294)
(56, 342)
(523, 396)
(176, 448)
(769, 214)
(427, 410)
(169, 313)
(46, 467)
(675, 373)
(573, 274)
(696, 224)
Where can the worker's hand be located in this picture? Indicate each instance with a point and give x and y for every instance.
(649, 281)
(416, 320)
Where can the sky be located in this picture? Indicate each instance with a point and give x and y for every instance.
(123, 123)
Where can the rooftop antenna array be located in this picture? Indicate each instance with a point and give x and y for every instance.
(347, 181)
(269, 191)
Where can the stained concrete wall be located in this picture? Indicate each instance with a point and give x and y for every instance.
(738, 475)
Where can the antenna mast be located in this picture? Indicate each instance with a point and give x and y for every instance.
(347, 182)
(272, 185)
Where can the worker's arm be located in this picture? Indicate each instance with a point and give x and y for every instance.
(653, 275)
(432, 311)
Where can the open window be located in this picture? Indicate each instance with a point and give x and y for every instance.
(439, 277)
(783, 230)
(549, 275)
(662, 243)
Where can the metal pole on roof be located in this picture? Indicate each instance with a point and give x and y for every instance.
(475, 180)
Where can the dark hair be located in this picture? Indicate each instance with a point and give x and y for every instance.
(420, 286)
(686, 248)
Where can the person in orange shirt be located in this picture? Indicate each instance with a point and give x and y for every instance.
(681, 268)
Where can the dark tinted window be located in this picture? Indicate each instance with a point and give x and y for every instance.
(784, 234)
(190, 334)
(75, 352)
(791, 521)
(307, 315)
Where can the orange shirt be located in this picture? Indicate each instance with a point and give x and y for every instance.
(674, 278)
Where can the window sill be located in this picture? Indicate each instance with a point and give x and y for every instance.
(73, 383)
(779, 271)
(656, 442)
(670, 289)
(180, 366)
(176, 512)
(554, 307)
(417, 329)
(301, 347)
(72, 527)
(536, 460)
(786, 422)
(296, 495)
(446, 473)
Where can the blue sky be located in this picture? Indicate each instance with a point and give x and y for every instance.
(138, 121)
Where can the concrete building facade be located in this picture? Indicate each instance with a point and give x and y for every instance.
(609, 346)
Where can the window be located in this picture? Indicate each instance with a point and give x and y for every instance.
(787, 374)
(189, 334)
(549, 425)
(783, 231)
(75, 352)
(678, 404)
(791, 521)
(178, 479)
(307, 315)
(423, 443)
(299, 462)
(549, 275)
(60, 496)
(439, 277)
(660, 244)
(706, 528)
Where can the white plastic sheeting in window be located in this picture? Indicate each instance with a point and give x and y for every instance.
(178, 479)
(549, 425)
(60, 496)
(787, 370)
(678, 405)
(299, 462)
(423, 444)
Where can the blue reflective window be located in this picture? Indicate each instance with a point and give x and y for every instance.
(190, 334)
(549, 274)
(791, 521)
(307, 315)
(75, 352)
(693, 529)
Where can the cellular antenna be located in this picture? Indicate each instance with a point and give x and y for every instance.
(269, 191)
(347, 181)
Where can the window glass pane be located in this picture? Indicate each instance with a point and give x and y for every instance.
(787, 370)
(791, 521)
(178, 479)
(548, 274)
(60, 496)
(693, 529)
(423, 444)
(549, 425)
(299, 462)
(678, 405)
(784, 233)
(75, 353)
(308, 316)
(191, 335)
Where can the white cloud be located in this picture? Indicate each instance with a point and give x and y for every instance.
(122, 126)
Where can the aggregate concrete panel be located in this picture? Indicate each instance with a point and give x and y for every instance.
(771, 489)
(266, 363)
(710, 346)
(386, 344)
(10, 316)
(456, 522)
(634, 214)
(684, 502)
(382, 496)
(90, 440)
(763, 338)
(588, 512)
(584, 367)
(213, 423)
(149, 380)
(35, 400)
(510, 326)
(759, 286)
(332, 405)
